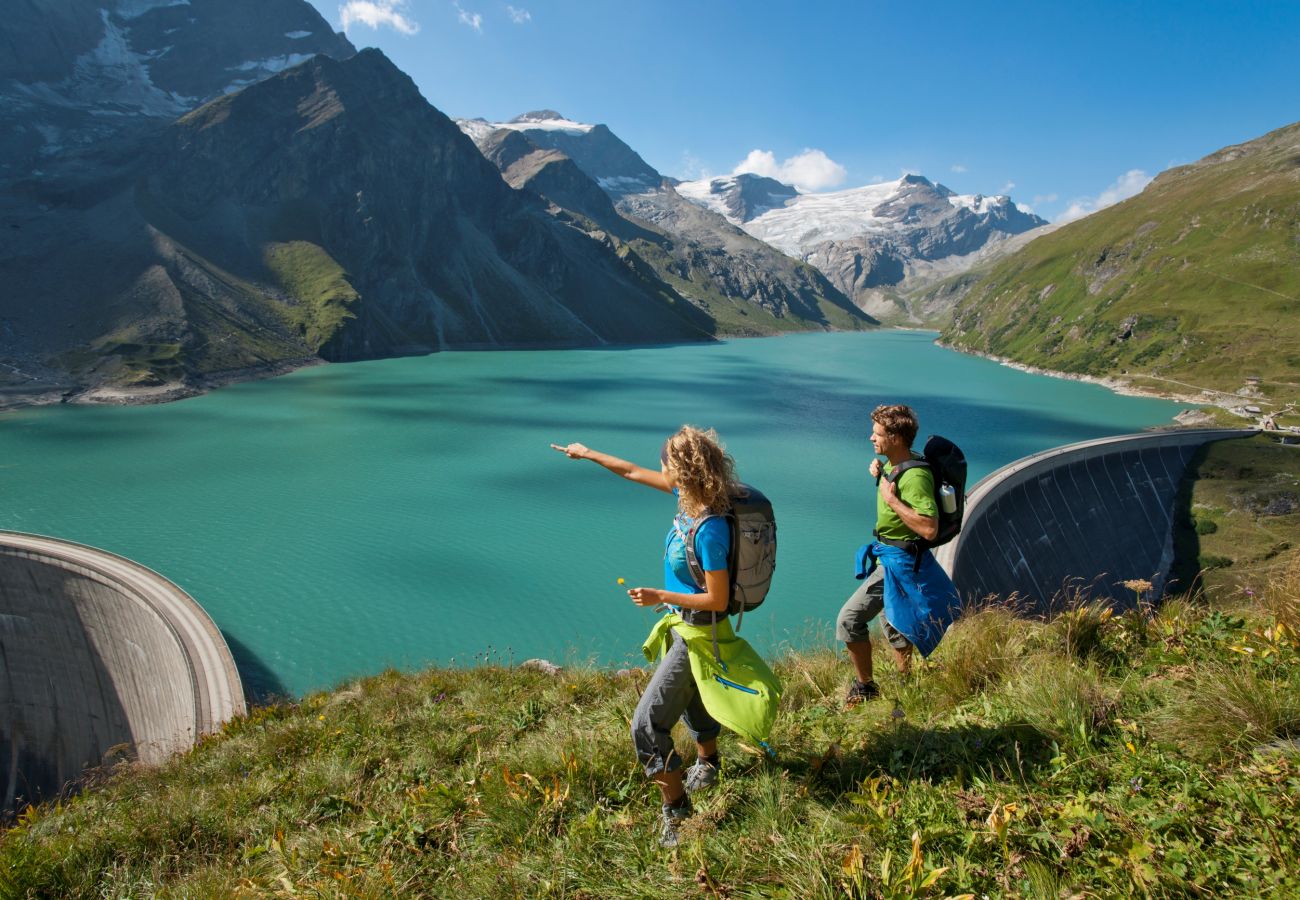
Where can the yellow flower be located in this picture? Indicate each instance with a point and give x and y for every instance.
(620, 581)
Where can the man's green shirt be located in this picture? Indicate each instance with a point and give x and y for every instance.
(916, 488)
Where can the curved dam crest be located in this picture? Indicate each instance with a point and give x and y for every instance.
(102, 659)
(1089, 515)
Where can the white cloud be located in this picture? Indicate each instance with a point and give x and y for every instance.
(1008, 187)
(518, 16)
(473, 20)
(1130, 183)
(958, 168)
(693, 168)
(1042, 198)
(377, 13)
(811, 170)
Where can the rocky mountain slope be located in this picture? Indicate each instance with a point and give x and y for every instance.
(1194, 283)
(587, 172)
(879, 244)
(328, 212)
(74, 73)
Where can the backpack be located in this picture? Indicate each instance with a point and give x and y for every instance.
(948, 464)
(752, 558)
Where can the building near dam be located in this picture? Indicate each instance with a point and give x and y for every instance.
(103, 660)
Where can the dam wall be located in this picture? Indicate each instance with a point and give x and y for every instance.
(1090, 515)
(103, 659)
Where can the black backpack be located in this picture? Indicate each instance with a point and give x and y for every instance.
(948, 464)
(752, 559)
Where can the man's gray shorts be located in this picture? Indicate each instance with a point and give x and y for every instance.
(670, 695)
(868, 601)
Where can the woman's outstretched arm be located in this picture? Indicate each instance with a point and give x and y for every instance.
(621, 467)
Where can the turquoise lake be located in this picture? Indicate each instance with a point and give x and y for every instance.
(347, 518)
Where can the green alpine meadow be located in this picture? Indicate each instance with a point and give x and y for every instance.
(1192, 285)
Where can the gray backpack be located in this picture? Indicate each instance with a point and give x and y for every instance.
(752, 559)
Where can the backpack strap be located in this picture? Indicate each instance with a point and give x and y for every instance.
(697, 570)
(916, 546)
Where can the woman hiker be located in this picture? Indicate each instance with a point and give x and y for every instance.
(700, 474)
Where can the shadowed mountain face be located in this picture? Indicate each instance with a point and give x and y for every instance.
(74, 73)
(347, 157)
(328, 211)
(596, 180)
(1193, 282)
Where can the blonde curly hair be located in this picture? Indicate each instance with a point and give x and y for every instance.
(705, 472)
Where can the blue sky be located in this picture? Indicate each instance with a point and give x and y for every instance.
(1063, 106)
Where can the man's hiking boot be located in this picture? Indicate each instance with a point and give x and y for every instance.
(700, 776)
(860, 692)
(673, 816)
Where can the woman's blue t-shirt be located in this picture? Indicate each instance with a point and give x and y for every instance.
(712, 545)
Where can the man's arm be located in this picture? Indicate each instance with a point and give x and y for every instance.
(926, 527)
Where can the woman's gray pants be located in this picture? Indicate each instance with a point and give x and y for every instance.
(670, 695)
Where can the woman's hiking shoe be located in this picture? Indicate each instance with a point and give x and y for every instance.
(673, 816)
(860, 692)
(700, 776)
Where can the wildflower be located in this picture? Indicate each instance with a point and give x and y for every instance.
(1135, 784)
(621, 581)
(321, 717)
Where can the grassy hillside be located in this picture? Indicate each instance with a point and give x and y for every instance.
(1193, 284)
(321, 296)
(1242, 521)
(1094, 756)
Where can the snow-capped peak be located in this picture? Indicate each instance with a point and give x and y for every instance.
(978, 203)
(544, 120)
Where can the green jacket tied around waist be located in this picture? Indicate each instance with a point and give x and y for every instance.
(739, 690)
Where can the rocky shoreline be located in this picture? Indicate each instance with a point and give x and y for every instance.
(1124, 386)
(15, 397)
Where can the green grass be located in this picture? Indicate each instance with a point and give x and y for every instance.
(323, 298)
(1240, 526)
(1203, 266)
(1019, 761)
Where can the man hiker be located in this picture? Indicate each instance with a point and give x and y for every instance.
(904, 585)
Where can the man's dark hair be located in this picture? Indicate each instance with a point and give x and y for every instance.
(898, 420)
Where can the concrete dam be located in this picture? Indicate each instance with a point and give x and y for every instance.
(103, 659)
(1090, 515)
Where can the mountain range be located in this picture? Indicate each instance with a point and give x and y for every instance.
(194, 191)
(602, 184)
(879, 244)
(307, 204)
(875, 245)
